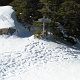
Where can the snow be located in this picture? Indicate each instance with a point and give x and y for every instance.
(8, 20)
(5, 17)
(24, 58)
(58, 72)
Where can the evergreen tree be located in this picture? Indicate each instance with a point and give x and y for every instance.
(69, 14)
(65, 11)
(45, 9)
(5, 2)
(26, 10)
(20, 8)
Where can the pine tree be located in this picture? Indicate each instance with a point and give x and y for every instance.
(5, 2)
(70, 14)
(45, 9)
(26, 10)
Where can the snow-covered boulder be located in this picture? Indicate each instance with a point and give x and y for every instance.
(7, 24)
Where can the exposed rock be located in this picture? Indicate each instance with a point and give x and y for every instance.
(7, 31)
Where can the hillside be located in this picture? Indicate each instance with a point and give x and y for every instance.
(24, 58)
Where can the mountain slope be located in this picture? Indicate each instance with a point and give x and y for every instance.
(34, 59)
(5, 17)
(26, 55)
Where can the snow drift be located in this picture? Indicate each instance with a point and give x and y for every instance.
(8, 20)
(6, 14)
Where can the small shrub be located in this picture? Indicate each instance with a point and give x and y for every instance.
(36, 23)
(37, 34)
(55, 37)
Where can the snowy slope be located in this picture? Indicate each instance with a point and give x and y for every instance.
(8, 19)
(34, 59)
(24, 56)
(5, 17)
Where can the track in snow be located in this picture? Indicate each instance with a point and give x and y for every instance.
(12, 63)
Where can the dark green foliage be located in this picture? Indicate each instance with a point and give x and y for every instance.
(26, 10)
(20, 7)
(36, 23)
(69, 13)
(37, 34)
(5, 2)
(65, 11)
(54, 29)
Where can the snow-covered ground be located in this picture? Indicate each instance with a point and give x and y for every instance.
(34, 59)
